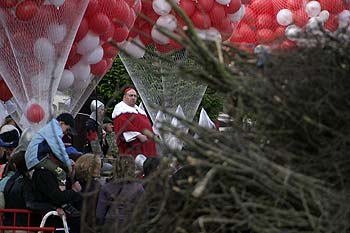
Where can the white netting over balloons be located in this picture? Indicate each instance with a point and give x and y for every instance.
(92, 54)
(157, 81)
(40, 37)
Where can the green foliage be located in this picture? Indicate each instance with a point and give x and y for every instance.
(112, 84)
(212, 102)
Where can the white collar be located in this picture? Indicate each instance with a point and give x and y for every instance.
(122, 107)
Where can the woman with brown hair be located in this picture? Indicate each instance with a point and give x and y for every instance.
(87, 172)
(119, 197)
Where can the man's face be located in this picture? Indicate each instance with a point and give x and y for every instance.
(101, 112)
(130, 98)
(65, 127)
(109, 127)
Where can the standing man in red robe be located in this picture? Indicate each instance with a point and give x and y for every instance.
(130, 121)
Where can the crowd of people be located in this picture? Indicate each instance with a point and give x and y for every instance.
(51, 174)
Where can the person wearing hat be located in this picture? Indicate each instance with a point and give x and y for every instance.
(109, 138)
(93, 125)
(46, 150)
(130, 122)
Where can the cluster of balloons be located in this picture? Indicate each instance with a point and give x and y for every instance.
(91, 52)
(278, 22)
(211, 18)
(35, 46)
(27, 9)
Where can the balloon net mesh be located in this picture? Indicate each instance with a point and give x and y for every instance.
(279, 23)
(156, 78)
(40, 44)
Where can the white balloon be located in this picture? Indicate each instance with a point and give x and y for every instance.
(57, 2)
(293, 32)
(167, 21)
(223, 2)
(66, 81)
(161, 7)
(324, 15)
(159, 37)
(211, 34)
(135, 48)
(313, 8)
(284, 17)
(94, 57)
(81, 71)
(81, 84)
(88, 43)
(344, 19)
(238, 15)
(57, 33)
(44, 50)
(314, 23)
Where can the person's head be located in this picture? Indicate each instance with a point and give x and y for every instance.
(130, 96)
(8, 121)
(87, 166)
(67, 122)
(108, 125)
(19, 162)
(99, 107)
(124, 167)
(150, 166)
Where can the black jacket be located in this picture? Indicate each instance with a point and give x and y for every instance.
(46, 189)
(18, 194)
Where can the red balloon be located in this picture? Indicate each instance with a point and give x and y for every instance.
(5, 93)
(73, 60)
(130, 2)
(280, 32)
(35, 113)
(108, 35)
(129, 22)
(205, 5)
(233, 6)
(145, 35)
(287, 44)
(201, 20)
(266, 21)
(23, 40)
(120, 13)
(82, 30)
(262, 7)
(279, 5)
(26, 10)
(249, 16)
(100, 68)
(217, 13)
(99, 23)
(332, 23)
(249, 36)
(109, 51)
(92, 8)
(164, 48)
(120, 34)
(265, 35)
(8, 3)
(109, 63)
(187, 6)
(295, 4)
(137, 7)
(333, 6)
(175, 45)
(300, 17)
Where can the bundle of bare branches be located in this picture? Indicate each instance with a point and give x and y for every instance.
(283, 166)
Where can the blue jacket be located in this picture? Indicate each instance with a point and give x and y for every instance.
(47, 140)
